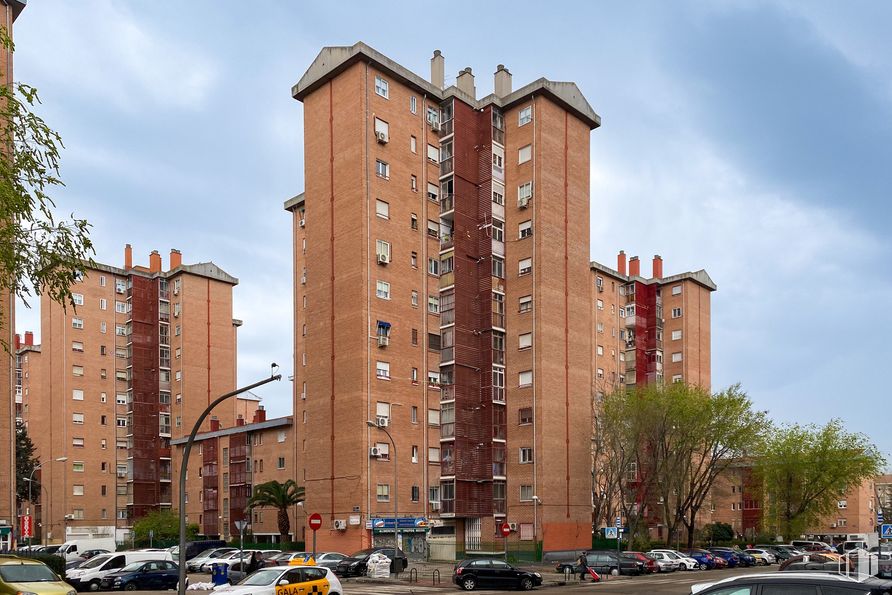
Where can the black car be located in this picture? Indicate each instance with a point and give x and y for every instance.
(355, 565)
(605, 562)
(793, 582)
(487, 572)
(154, 575)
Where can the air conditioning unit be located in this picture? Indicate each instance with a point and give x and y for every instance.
(119, 290)
(383, 340)
(601, 287)
(435, 125)
(383, 258)
(435, 505)
(512, 526)
(303, 279)
(383, 421)
(523, 202)
(381, 137)
(833, 526)
(303, 222)
(374, 452)
(340, 524)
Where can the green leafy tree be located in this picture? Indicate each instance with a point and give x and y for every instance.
(805, 470)
(164, 525)
(281, 496)
(718, 532)
(40, 254)
(25, 463)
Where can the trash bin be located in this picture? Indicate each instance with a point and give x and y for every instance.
(219, 574)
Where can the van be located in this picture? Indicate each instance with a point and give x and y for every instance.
(75, 547)
(88, 576)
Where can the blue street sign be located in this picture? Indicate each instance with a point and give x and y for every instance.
(886, 532)
(619, 521)
(610, 533)
(880, 518)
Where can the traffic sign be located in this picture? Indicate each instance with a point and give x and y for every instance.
(619, 521)
(315, 521)
(610, 532)
(505, 529)
(886, 532)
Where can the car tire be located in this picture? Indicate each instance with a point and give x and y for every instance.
(526, 584)
(130, 587)
(468, 583)
(614, 572)
(704, 566)
(93, 586)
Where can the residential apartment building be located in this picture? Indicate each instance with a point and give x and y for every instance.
(232, 461)
(10, 9)
(131, 365)
(442, 293)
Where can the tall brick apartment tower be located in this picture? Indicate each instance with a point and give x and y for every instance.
(442, 291)
(8, 519)
(115, 378)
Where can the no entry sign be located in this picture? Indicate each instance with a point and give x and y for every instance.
(315, 521)
(505, 529)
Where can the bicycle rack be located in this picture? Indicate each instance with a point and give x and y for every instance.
(413, 575)
(435, 577)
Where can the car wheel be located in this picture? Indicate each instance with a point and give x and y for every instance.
(130, 587)
(703, 566)
(468, 583)
(93, 586)
(614, 572)
(526, 584)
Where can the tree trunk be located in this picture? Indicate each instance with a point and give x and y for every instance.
(284, 524)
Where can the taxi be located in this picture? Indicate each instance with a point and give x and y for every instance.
(287, 580)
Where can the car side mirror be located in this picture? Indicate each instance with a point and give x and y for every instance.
(284, 582)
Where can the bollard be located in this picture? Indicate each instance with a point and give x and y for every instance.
(435, 577)
(413, 575)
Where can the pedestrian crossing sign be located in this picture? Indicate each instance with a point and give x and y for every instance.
(886, 531)
(610, 532)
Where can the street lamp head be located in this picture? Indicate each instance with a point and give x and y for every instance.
(537, 499)
(61, 459)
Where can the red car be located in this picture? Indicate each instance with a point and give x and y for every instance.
(720, 562)
(650, 565)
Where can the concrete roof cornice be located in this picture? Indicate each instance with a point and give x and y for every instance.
(276, 422)
(701, 277)
(295, 202)
(332, 60)
(208, 270)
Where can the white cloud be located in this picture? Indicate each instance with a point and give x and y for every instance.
(101, 51)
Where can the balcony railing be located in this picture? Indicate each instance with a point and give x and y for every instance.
(447, 354)
(498, 320)
(446, 166)
(446, 279)
(447, 203)
(446, 241)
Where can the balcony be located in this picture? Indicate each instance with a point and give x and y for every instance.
(447, 354)
(447, 204)
(447, 279)
(446, 128)
(498, 320)
(446, 166)
(447, 241)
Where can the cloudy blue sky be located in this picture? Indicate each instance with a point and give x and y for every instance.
(752, 139)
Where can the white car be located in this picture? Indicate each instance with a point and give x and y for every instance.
(684, 562)
(228, 559)
(308, 579)
(762, 556)
(211, 555)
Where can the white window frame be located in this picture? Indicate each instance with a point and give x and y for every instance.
(382, 169)
(676, 290)
(525, 455)
(677, 357)
(433, 154)
(676, 334)
(524, 266)
(525, 378)
(677, 312)
(525, 115)
(382, 370)
(525, 340)
(525, 229)
(382, 208)
(77, 323)
(382, 290)
(524, 154)
(413, 104)
(382, 126)
(382, 87)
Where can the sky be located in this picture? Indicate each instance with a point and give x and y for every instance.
(751, 139)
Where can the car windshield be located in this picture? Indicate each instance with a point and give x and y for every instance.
(94, 562)
(364, 553)
(204, 554)
(262, 578)
(132, 567)
(221, 554)
(27, 573)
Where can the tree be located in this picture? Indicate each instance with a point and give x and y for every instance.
(718, 532)
(164, 524)
(39, 253)
(25, 463)
(805, 470)
(280, 496)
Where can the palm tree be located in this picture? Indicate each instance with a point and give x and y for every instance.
(280, 496)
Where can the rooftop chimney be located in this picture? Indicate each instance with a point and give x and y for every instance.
(176, 258)
(634, 267)
(658, 267)
(154, 262)
(215, 424)
(465, 82)
(260, 414)
(502, 86)
(239, 421)
(29, 338)
(18, 341)
(128, 257)
(438, 70)
(621, 262)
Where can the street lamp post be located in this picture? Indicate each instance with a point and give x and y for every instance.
(536, 502)
(396, 497)
(30, 480)
(187, 450)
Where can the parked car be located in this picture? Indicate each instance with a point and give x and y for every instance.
(705, 560)
(209, 555)
(281, 559)
(781, 551)
(88, 576)
(307, 579)
(812, 546)
(355, 565)
(665, 562)
(727, 555)
(794, 582)
(193, 548)
(605, 562)
(721, 563)
(21, 575)
(763, 557)
(487, 572)
(329, 559)
(684, 562)
(815, 561)
(228, 559)
(143, 576)
(650, 564)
